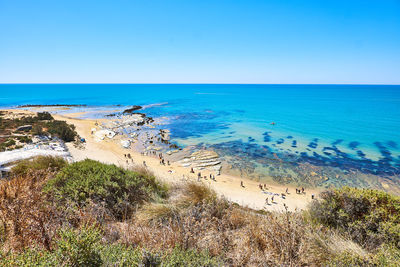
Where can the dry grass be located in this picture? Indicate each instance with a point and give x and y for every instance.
(241, 236)
(193, 217)
(26, 217)
(194, 193)
(157, 212)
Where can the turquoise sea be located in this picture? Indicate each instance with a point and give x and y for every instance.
(353, 127)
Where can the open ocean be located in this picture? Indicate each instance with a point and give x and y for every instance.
(356, 127)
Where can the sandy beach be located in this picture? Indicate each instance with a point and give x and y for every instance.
(110, 151)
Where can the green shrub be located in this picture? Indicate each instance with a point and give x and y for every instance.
(44, 116)
(62, 130)
(84, 248)
(74, 248)
(347, 259)
(179, 257)
(116, 189)
(120, 255)
(24, 139)
(387, 255)
(371, 217)
(39, 163)
(29, 257)
(79, 248)
(9, 142)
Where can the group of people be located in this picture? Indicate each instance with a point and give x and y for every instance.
(272, 201)
(199, 176)
(149, 153)
(128, 157)
(263, 187)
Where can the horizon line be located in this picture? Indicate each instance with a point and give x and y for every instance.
(128, 83)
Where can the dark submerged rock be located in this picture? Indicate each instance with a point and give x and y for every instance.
(132, 109)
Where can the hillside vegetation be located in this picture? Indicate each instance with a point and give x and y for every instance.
(93, 214)
(41, 124)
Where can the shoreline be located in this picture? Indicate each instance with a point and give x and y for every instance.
(140, 138)
(265, 167)
(228, 186)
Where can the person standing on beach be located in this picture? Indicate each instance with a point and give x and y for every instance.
(241, 184)
(266, 201)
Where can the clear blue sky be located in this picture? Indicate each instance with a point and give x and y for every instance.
(220, 41)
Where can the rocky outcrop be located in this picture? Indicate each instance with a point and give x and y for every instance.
(165, 135)
(101, 134)
(202, 160)
(24, 128)
(132, 109)
(125, 143)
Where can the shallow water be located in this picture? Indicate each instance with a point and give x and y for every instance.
(350, 127)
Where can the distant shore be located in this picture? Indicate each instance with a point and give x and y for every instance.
(52, 105)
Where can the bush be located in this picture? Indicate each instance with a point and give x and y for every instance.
(387, 255)
(39, 163)
(44, 116)
(24, 139)
(83, 248)
(347, 259)
(62, 130)
(26, 217)
(29, 257)
(79, 248)
(179, 257)
(120, 255)
(117, 189)
(196, 193)
(7, 144)
(371, 217)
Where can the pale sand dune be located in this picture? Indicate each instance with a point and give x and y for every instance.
(110, 151)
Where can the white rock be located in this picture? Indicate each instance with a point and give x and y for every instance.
(101, 134)
(125, 143)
